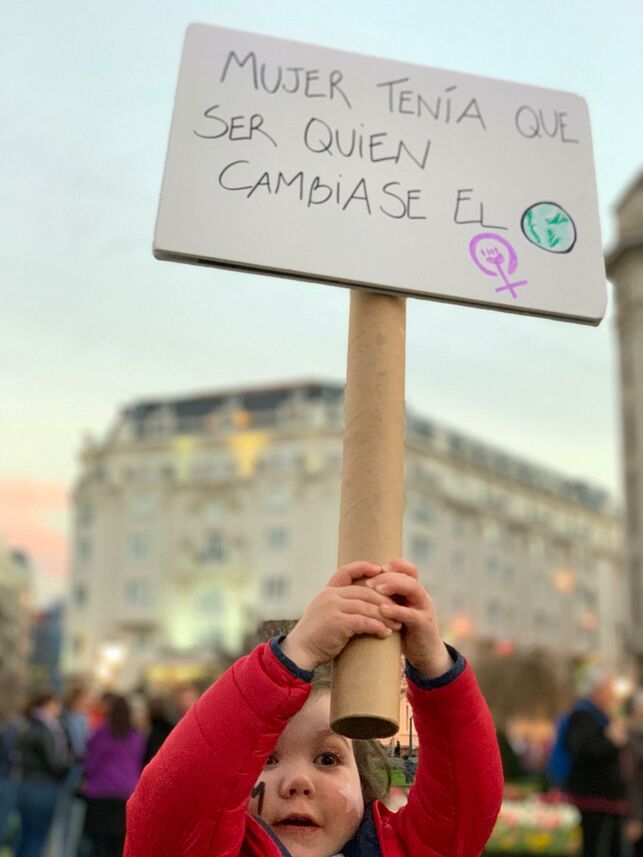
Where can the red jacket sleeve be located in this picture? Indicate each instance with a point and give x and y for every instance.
(192, 797)
(457, 794)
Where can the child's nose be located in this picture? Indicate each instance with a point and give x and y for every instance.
(297, 783)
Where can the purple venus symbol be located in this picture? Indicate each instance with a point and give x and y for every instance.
(496, 257)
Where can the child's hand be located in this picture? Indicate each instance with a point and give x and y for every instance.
(422, 644)
(340, 611)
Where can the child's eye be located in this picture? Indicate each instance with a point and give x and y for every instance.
(271, 760)
(327, 759)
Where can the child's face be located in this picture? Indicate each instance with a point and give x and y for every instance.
(311, 795)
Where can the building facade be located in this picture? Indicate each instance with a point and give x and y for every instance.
(625, 268)
(15, 625)
(196, 518)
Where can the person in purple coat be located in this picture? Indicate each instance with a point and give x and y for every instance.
(113, 764)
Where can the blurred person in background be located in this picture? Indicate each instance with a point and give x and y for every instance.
(595, 738)
(634, 771)
(185, 696)
(75, 718)
(164, 715)
(113, 764)
(43, 759)
(99, 708)
(67, 826)
(8, 737)
(161, 724)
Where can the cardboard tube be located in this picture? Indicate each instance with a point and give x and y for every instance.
(365, 692)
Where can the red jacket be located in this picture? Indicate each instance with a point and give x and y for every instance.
(192, 797)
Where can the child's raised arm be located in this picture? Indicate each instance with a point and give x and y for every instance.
(458, 787)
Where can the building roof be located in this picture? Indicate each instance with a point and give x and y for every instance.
(195, 413)
(252, 399)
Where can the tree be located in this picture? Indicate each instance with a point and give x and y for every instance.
(530, 684)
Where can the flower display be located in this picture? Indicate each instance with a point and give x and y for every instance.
(532, 826)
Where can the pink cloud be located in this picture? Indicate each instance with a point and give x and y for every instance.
(27, 509)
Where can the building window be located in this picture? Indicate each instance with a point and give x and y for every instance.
(140, 507)
(79, 594)
(277, 498)
(213, 549)
(458, 602)
(141, 641)
(84, 514)
(140, 546)
(211, 602)
(420, 551)
(460, 526)
(215, 510)
(493, 569)
(277, 539)
(590, 567)
(218, 467)
(83, 550)
(286, 459)
(535, 546)
(631, 496)
(138, 593)
(509, 620)
(490, 530)
(213, 637)
(458, 565)
(494, 611)
(588, 596)
(423, 512)
(275, 588)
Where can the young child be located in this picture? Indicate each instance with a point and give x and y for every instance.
(254, 768)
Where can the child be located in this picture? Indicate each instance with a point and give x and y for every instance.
(254, 768)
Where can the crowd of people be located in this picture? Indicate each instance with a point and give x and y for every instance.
(69, 764)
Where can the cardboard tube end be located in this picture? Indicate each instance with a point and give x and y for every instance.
(365, 727)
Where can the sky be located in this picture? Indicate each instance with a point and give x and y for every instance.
(91, 321)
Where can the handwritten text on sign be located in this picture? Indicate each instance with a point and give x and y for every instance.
(324, 165)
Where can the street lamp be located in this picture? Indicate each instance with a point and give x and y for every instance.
(111, 657)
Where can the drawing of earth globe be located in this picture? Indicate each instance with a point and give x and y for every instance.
(547, 225)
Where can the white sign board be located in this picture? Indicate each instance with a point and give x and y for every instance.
(306, 162)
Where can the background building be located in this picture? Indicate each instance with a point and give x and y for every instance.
(15, 623)
(625, 268)
(196, 517)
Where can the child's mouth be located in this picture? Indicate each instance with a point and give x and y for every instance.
(297, 823)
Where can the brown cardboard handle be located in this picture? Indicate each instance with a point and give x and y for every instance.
(365, 692)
